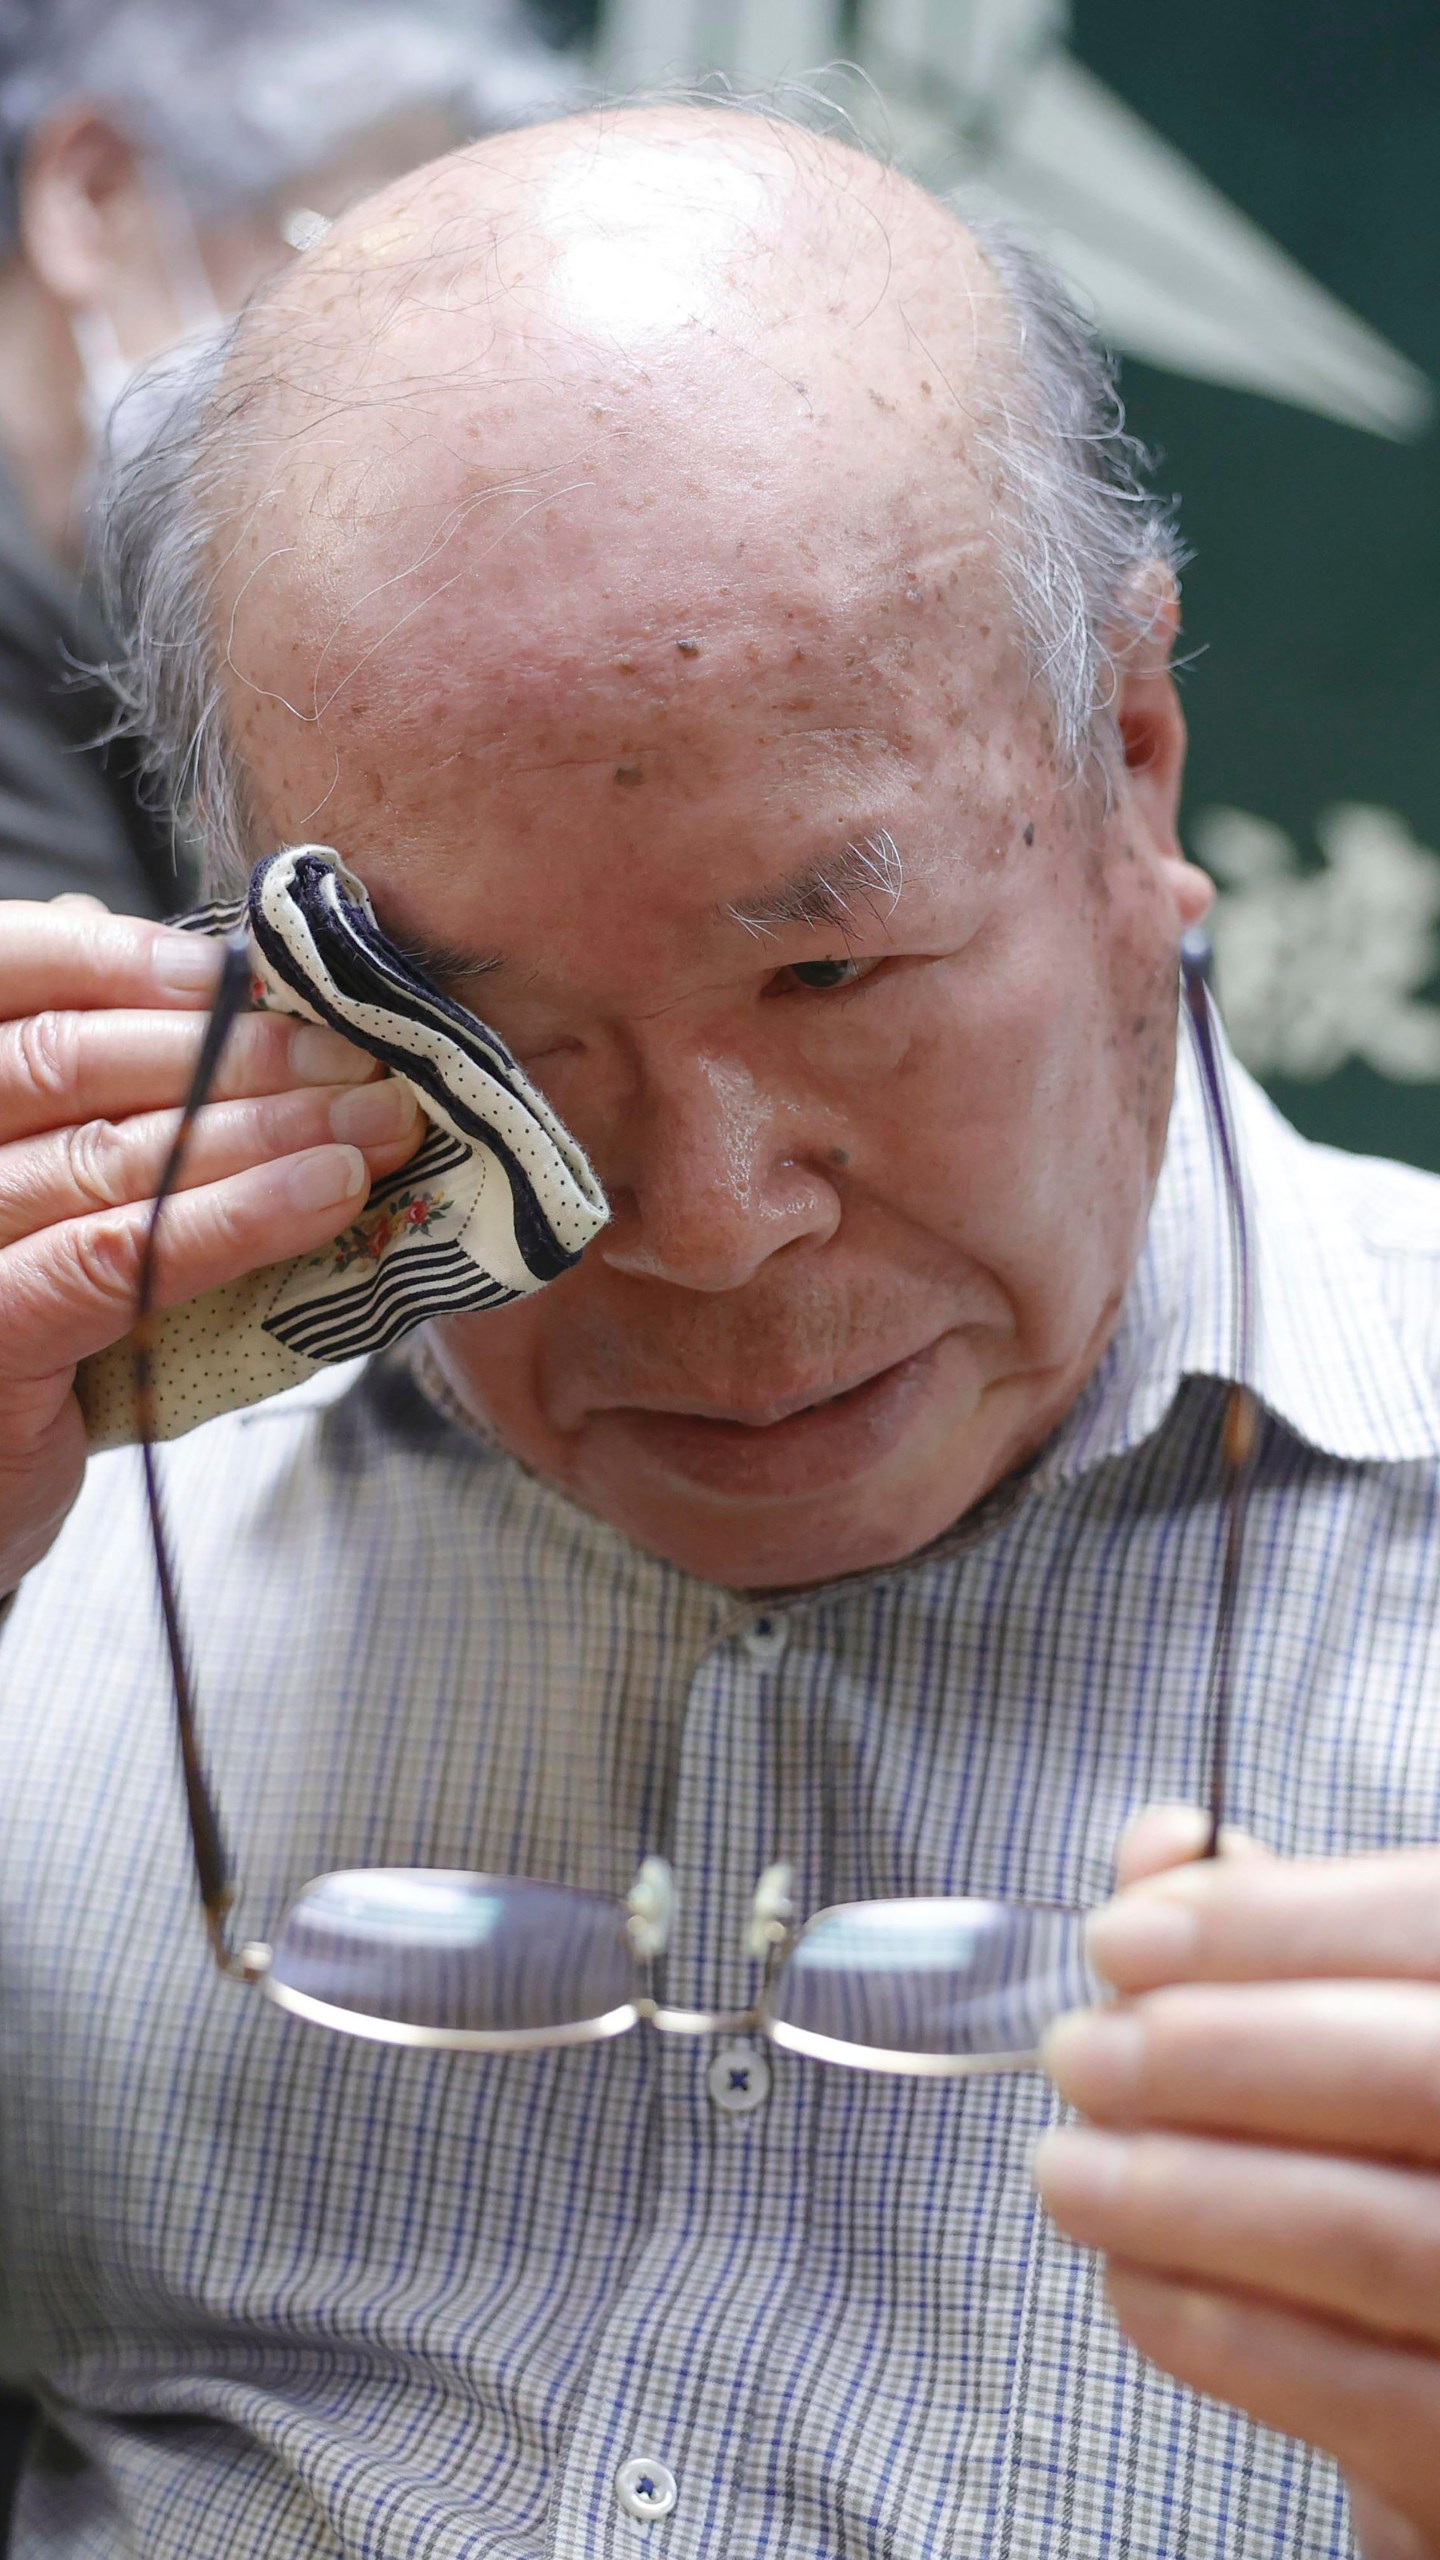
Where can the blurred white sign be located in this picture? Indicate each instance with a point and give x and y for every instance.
(983, 94)
(1317, 966)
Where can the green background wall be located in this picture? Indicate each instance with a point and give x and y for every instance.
(1314, 594)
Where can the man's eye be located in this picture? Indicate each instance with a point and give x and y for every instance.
(823, 974)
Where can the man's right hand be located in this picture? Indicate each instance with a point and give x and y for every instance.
(101, 1017)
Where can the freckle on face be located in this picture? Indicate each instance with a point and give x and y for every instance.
(927, 1249)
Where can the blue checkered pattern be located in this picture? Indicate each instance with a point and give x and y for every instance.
(285, 2294)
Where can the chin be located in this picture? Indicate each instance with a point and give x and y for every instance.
(740, 1511)
(782, 1548)
(853, 1480)
(850, 1482)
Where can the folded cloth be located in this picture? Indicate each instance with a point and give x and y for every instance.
(499, 1199)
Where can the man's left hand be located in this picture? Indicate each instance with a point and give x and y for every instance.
(1262, 2163)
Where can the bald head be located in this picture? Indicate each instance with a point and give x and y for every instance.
(601, 375)
(698, 253)
(594, 381)
(676, 562)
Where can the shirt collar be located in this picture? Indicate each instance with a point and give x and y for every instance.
(1330, 1358)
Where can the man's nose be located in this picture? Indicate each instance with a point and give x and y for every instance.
(711, 1177)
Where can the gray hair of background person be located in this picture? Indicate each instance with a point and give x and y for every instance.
(1079, 538)
(233, 97)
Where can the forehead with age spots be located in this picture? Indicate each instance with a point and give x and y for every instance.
(591, 415)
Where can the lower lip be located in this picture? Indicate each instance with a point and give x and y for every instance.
(823, 1448)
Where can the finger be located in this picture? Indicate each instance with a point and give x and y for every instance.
(71, 1291)
(70, 954)
(1171, 1835)
(1381, 2534)
(1356, 2240)
(58, 1069)
(1343, 2066)
(104, 1163)
(1375, 2407)
(1271, 1919)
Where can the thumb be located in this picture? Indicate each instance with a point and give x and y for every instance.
(1173, 1835)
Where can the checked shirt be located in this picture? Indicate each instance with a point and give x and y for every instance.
(285, 2295)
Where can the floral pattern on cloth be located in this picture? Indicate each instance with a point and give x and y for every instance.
(415, 1212)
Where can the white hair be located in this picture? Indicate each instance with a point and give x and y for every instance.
(235, 97)
(1085, 551)
(1088, 553)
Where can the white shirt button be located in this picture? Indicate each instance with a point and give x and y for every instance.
(765, 1639)
(645, 2489)
(738, 2079)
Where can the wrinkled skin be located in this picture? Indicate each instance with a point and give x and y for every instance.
(704, 609)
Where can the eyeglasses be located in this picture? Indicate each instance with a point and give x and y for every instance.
(438, 1958)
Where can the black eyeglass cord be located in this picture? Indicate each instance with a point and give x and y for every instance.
(1239, 1433)
(1239, 1438)
(212, 1865)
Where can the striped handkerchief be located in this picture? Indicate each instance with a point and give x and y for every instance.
(499, 1200)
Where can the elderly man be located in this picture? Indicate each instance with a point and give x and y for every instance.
(696, 585)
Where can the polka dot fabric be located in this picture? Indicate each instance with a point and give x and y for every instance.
(498, 1202)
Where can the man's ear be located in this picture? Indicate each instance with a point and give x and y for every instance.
(83, 206)
(1152, 734)
(1147, 706)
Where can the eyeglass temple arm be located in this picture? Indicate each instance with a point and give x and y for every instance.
(212, 1866)
(1240, 1429)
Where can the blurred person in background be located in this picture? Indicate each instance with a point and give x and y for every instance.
(159, 159)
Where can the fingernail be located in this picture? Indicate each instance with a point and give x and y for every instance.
(1168, 1834)
(329, 1175)
(1165, 2315)
(182, 963)
(322, 1057)
(369, 1113)
(1146, 1935)
(1078, 2171)
(1094, 2057)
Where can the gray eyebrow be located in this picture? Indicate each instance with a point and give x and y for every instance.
(826, 893)
(865, 873)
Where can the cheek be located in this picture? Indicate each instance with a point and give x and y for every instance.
(976, 1062)
(497, 1361)
(1142, 1003)
(1014, 1124)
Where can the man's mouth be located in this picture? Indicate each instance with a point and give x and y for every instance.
(784, 1450)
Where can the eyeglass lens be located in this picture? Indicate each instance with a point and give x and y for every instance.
(436, 1949)
(938, 1976)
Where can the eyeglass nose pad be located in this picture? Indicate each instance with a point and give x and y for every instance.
(771, 1912)
(651, 1906)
